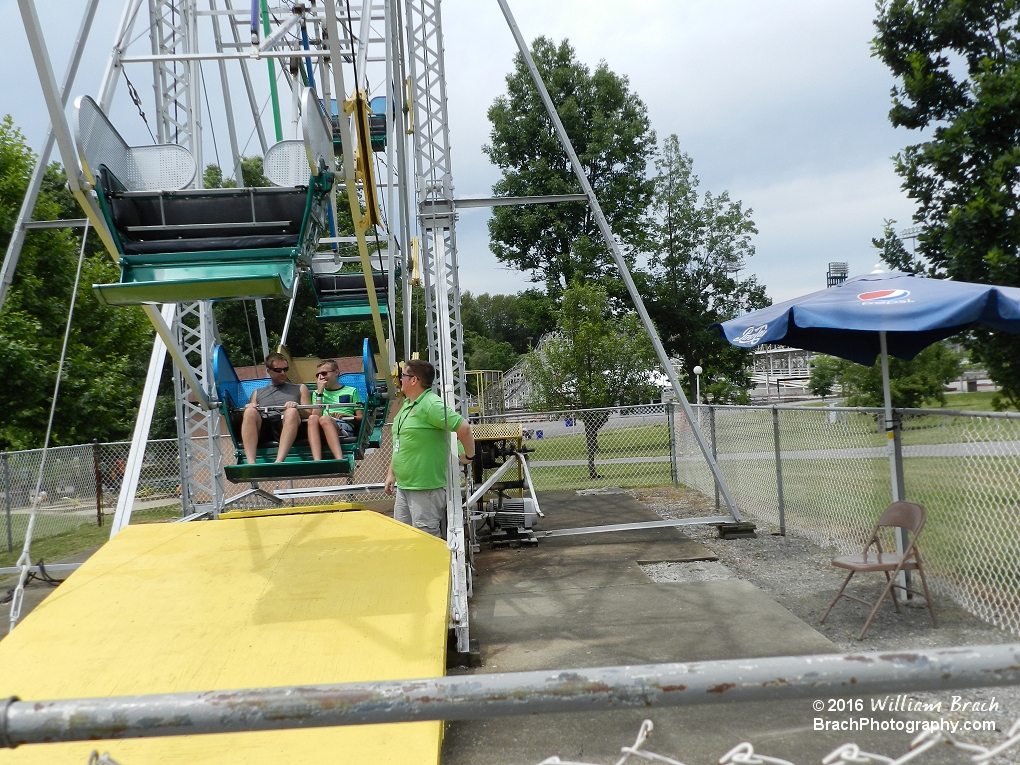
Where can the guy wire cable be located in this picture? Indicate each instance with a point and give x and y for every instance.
(24, 561)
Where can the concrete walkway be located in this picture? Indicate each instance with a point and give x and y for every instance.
(584, 601)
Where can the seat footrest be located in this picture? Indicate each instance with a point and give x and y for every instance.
(281, 471)
(216, 288)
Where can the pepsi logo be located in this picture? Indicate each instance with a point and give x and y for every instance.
(751, 336)
(883, 296)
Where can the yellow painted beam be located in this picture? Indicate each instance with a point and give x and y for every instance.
(254, 602)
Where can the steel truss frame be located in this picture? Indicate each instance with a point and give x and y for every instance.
(436, 218)
(198, 427)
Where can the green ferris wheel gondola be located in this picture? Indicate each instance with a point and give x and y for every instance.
(182, 244)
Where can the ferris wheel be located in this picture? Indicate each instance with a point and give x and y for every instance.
(345, 104)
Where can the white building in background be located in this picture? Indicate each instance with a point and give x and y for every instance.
(779, 371)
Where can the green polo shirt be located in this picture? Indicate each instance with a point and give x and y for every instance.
(334, 396)
(420, 442)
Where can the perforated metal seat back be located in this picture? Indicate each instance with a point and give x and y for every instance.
(286, 164)
(138, 168)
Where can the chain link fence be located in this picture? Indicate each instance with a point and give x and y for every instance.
(824, 473)
(819, 472)
(81, 485)
(624, 447)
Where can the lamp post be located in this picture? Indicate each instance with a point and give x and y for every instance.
(697, 384)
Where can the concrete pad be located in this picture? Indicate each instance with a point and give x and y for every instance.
(594, 560)
(584, 602)
(637, 624)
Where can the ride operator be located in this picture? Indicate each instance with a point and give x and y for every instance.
(332, 421)
(418, 466)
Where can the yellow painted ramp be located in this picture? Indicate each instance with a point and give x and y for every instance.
(255, 602)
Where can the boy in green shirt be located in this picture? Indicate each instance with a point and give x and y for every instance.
(420, 445)
(332, 421)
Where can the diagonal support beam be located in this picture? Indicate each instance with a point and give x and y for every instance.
(21, 225)
(621, 264)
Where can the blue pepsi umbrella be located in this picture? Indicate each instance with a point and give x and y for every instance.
(878, 314)
(848, 320)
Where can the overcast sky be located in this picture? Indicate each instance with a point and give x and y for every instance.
(779, 103)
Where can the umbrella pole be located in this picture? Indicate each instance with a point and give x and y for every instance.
(895, 454)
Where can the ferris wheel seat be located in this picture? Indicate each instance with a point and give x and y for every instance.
(234, 393)
(193, 283)
(210, 244)
(294, 467)
(182, 244)
(342, 297)
(341, 313)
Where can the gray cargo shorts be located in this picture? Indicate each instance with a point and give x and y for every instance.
(423, 509)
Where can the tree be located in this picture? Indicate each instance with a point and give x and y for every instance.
(696, 247)
(483, 353)
(609, 128)
(594, 360)
(252, 171)
(825, 374)
(894, 253)
(519, 320)
(958, 67)
(911, 383)
(108, 348)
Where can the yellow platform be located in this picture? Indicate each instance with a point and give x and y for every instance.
(256, 602)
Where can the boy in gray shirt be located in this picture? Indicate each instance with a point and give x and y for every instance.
(274, 426)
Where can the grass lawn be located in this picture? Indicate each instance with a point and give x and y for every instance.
(622, 476)
(981, 401)
(78, 534)
(641, 441)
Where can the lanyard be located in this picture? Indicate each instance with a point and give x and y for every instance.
(408, 414)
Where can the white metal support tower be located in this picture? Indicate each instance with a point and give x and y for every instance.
(198, 444)
(173, 35)
(436, 217)
(173, 31)
(434, 184)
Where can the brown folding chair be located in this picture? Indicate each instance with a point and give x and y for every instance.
(899, 515)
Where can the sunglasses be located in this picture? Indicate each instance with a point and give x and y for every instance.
(323, 374)
(278, 370)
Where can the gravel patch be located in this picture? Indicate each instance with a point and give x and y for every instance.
(702, 571)
(798, 575)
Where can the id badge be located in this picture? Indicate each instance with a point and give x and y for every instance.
(396, 445)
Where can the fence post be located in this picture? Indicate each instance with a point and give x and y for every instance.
(900, 493)
(779, 473)
(715, 453)
(99, 482)
(901, 488)
(7, 500)
(672, 445)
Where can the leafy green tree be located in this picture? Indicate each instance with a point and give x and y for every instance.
(483, 353)
(609, 128)
(825, 374)
(958, 71)
(108, 348)
(697, 245)
(894, 252)
(911, 383)
(252, 171)
(594, 360)
(518, 320)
